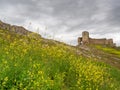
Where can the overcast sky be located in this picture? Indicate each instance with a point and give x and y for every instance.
(64, 20)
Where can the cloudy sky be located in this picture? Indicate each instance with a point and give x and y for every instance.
(64, 20)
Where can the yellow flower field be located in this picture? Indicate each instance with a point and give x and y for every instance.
(27, 63)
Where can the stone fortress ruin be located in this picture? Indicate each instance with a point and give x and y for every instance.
(86, 40)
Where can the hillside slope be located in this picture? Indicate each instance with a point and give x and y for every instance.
(105, 54)
(34, 63)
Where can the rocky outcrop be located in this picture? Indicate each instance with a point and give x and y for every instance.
(17, 29)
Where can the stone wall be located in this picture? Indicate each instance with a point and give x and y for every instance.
(110, 42)
(98, 41)
(79, 40)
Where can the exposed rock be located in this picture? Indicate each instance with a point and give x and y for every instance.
(4, 26)
(17, 29)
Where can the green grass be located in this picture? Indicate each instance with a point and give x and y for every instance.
(31, 63)
(109, 50)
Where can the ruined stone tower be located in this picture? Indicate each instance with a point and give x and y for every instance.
(85, 37)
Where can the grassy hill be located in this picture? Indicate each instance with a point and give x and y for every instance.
(34, 63)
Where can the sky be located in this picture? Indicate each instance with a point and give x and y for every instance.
(65, 20)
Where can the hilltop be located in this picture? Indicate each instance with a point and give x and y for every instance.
(30, 62)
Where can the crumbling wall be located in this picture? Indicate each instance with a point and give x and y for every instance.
(110, 42)
(79, 40)
(98, 41)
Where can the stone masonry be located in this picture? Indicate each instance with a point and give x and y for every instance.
(86, 40)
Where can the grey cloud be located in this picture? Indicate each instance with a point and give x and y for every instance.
(78, 8)
(114, 13)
